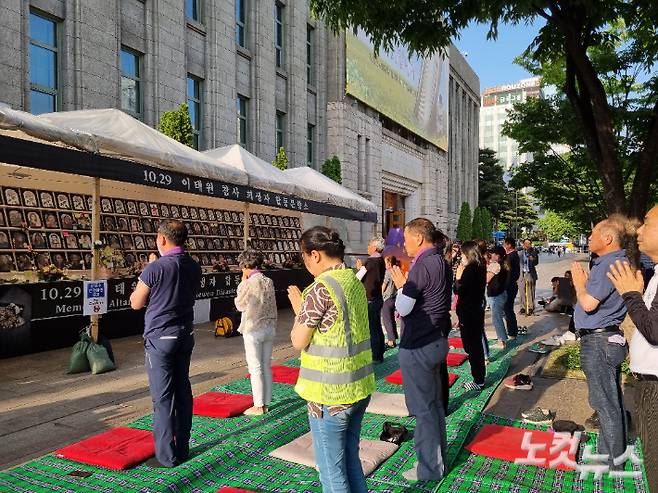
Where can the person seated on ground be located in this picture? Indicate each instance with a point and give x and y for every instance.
(564, 295)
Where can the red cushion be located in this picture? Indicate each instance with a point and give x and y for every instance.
(284, 374)
(221, 405)
(505, 442)
(455, 342)
(396, 378)
(456, 359)
(231, 489)
(119, 448)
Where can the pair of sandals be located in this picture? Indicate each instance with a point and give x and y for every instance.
(522, 330)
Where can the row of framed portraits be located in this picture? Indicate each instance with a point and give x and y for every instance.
(22, 261)
(43, 240)
(71, 202)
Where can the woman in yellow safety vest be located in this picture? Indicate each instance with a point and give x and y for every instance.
(336, 375)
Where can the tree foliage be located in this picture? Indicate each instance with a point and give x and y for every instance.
(520, 214)
(554, 227)
(281, 159)
(573, 31)
(464, 225)
(492, 193)
(477, 228)
(487, 224)
(177, 125)
(332, 169)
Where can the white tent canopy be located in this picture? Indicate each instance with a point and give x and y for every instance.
(113, 132)
(336, 194)
(260, 173)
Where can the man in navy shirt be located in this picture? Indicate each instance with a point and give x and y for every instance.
(423, 302)
(598, 314)
(167, 287)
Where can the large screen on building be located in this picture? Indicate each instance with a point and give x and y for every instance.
(409, 90)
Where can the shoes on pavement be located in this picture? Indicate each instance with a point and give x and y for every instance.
(538, 416)
(522, 330)
(473, 386)
(539, 348)
(522, 311)
(593, 421)
(519, 382)
(552, 341)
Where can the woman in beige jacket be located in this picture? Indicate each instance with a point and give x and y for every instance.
(255, 299)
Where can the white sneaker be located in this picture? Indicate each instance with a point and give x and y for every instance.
(552, 341)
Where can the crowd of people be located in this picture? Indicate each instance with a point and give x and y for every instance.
(338, 329)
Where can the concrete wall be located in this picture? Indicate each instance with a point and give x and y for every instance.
(92, 33)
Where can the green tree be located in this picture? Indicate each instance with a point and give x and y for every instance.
(177, 125)
(281, 159)
(476, 225)
(554, 227)
(572, 31)
(487, 225)
(331, 168)
(492, 193)
(520, 216)
(464, 225)
(567, 180)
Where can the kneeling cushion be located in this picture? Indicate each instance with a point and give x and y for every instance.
(371, 452)
(455, 342)
(119, 448)
(283, 374)
(456, 359)
(396, 378)
(506, 443)
(387, 404)
(221, 404)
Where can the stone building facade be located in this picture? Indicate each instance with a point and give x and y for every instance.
(263, 73)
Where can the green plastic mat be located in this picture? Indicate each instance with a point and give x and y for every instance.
(234, 452)
(476, 473)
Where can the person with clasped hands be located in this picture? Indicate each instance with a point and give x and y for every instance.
(336, 376)
(598, 315)
(167, 288)
(643, 345)
(423, 302)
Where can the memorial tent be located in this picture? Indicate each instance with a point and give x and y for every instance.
(260, 173)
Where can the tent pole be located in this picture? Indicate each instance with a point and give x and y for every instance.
(95, 236)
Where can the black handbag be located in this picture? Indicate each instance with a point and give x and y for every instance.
(393, 432)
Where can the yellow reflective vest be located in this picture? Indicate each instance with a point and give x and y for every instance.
(336, 367)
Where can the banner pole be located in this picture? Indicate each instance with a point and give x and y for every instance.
(95, 236)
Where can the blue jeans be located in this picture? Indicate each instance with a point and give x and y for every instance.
(168, 369)
(336, 447)
(601, 361)
(498, 314)
(510, 316)
(424, 394)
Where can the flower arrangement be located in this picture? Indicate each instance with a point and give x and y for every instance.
(268, 264)
(11, 316)
(221, 266)
(108, 257)
(50, 273)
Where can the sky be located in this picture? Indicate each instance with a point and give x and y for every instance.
(493, 60)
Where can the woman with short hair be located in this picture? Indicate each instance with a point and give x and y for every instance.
(336, 376)
(255, 299)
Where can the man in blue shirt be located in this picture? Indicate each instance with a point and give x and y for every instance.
(598, 314)
(423, 302)
(167, 287)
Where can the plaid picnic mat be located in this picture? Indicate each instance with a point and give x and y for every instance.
(475, 473)
(234, 452)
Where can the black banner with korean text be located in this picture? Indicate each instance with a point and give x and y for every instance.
(42, 156)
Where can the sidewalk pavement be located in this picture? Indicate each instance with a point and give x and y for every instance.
(43, 409)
